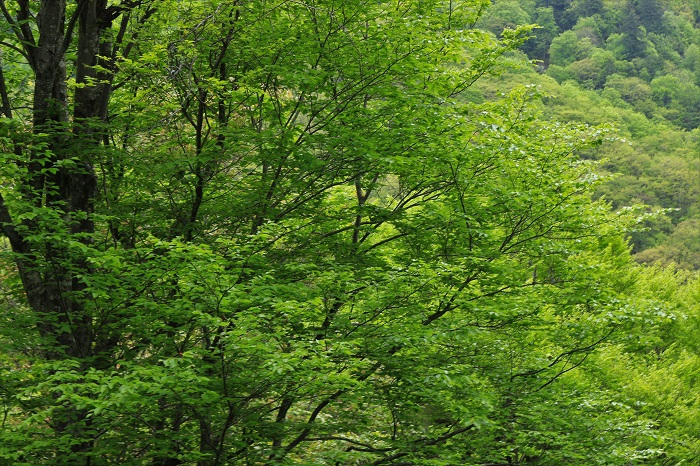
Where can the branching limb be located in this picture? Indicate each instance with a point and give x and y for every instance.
(426, 442)
(22, 31)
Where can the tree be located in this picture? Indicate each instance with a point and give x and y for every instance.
(682, 98)
(578, 9)
(683, 248)
(568, 48)
(633, 90)
(48, 216)
(558, 8)
(538, 47)
(276, 232)
(592, 71)
(588, 27)
(692, 60)
(504, 15)
(632, 34)
(651, 15)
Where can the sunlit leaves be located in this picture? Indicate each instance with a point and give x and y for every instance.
(310, 246)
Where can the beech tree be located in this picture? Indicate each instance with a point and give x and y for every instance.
(279, 232)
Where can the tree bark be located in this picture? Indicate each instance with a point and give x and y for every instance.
(48, 270)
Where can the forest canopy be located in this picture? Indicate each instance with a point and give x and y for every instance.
(632, 64)
(346, 232)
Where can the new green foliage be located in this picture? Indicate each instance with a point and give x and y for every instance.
(613, 67)
(304, 244)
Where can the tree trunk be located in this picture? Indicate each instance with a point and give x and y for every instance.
(48, 270)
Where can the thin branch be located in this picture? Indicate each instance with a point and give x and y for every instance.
(425, 442)
(365, 446)
(26, 41)
(15, 48)
(307, 430)
(71, 25)
(22, 23)
(384, 241)
(564, 370)
(566, 354)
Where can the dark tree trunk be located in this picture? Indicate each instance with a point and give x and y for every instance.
(68, 189)
(49, 272)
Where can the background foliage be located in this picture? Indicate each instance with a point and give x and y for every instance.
(631, 63)
(346, 233)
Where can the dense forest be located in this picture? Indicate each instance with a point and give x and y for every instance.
(349, 232)
(636, 65)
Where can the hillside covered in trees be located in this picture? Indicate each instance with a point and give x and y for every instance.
(635, 64)
(349, 232)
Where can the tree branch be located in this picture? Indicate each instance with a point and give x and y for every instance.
(23, 32)
(565, 354)
(365, 446)
(71, 25)
(426, 442)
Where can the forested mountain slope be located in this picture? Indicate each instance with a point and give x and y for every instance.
(635, 64)
(345, 232)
